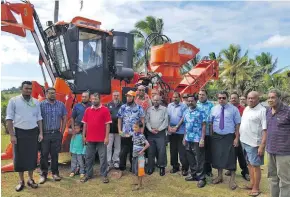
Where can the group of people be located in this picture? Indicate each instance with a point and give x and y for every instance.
(201, 136)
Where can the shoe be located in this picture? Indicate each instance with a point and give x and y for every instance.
(201, 183)
(82, 176)
(228, 173)
(42, 179)
(184, 172)
(84, 179)
(56, 177)
(150, 171)
(105, 180)
(246, 177)
(162, 172)
(72, 174)
(77, 172)
(210, 174)
(116, 165)
(174, 170)
(31, 183)
(190, 178)
(20, 186)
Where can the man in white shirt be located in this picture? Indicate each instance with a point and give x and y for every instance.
(253, 137)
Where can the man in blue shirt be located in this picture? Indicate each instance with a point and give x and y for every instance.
(225, 122)
(128, 115)
(54, 114)
(206, 106)
(79, 109)
(176, 131)
(194, 135)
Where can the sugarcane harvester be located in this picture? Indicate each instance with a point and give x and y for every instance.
(79, 56)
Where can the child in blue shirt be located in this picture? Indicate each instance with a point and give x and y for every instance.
(77, 149)
(140, 144)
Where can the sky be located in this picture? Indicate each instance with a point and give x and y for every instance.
(210, 26)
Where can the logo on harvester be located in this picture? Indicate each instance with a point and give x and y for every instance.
(185, 51)
(25, 13)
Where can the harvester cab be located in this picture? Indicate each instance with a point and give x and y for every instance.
(88, 57)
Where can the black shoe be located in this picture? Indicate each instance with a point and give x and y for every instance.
(228, 173)
(174, 170)
(85, 179)
(20, 186)
(31, 183)
(201, 183)
(184, 172)
(209, 174)
(190, 178)
(77, 172)
(246, 177)
(150, 171)
(162, 171)
(130, 169)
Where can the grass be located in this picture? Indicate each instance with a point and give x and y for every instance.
(169, 185)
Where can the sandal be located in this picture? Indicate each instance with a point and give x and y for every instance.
(31, 183)
(85, 179)
(20, 186)
(256, 193)
(217, 180)
(246, 187)
(105, 180)
(233, 186)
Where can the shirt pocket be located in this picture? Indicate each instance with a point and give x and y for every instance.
(282, 121)
(254, 119)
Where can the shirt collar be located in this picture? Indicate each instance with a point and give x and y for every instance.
(24, 98)
(46, 101)
(155, 108)
(225, 106)
(176, 105)
(93, 107)
(133, 104)
(205, 102)
(189, 109)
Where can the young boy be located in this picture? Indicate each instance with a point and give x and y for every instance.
(77, 149)
(140, 144)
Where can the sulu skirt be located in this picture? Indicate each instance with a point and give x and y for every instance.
(26, 149)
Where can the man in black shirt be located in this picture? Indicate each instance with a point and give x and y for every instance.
(114, 137)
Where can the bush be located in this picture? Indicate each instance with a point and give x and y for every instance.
(4, 103)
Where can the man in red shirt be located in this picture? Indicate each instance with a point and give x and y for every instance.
(238, 150)
(96, 131)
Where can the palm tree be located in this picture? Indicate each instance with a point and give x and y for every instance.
(234, 66)
(142, 30)
(265, 62)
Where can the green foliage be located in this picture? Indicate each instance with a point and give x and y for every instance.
(239, 72)
(143, 29)
(4, 103)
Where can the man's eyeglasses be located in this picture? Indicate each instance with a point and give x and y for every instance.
(141, 90)
(220, 98)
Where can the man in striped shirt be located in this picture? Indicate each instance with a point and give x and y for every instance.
(54, 117)
(278, 145)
